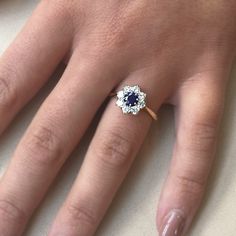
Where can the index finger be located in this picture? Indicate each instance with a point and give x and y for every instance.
(31, 58)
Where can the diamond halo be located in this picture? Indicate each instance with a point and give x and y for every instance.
(131, 99)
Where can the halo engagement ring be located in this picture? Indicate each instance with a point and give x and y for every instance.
(132, 100)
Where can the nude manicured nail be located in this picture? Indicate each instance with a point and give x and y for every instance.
(173, 224)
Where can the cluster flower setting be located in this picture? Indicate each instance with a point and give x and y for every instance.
(131, 99)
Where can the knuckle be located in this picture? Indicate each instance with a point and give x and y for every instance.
(115, 37)
(204, 136)
(81, 214)
(114, 149)
(60, 10)
(112, 36)
(8, 95)
(200, 138)
(191, 185)
(44, 144)
(11, 213)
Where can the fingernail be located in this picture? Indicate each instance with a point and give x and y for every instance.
(173, 224)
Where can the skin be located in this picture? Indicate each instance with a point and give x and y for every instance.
(178, 52)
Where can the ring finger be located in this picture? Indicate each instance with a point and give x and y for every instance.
(109, 157)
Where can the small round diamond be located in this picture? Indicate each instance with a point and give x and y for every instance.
(119, 103)
(120, 94)
(131, 99)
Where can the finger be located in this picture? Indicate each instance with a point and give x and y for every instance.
(31, 59)
(110, 155)
(51, 137)
(198, 116)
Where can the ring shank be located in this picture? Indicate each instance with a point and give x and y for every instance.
(151, 113)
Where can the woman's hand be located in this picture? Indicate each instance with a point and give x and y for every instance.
(178, 52)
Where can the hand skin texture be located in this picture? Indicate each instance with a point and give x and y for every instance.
(179, 52)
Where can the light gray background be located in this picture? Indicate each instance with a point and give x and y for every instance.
(133, 211)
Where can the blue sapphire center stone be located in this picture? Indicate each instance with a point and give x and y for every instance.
(131, 99)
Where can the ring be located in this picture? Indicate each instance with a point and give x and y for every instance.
(132, 100)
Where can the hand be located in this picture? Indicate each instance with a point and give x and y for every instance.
(178, 52)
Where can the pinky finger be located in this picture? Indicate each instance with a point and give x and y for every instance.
(197, 120)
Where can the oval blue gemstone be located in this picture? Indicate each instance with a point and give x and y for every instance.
(131, 99)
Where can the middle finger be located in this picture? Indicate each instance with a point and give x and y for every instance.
(50, 138)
